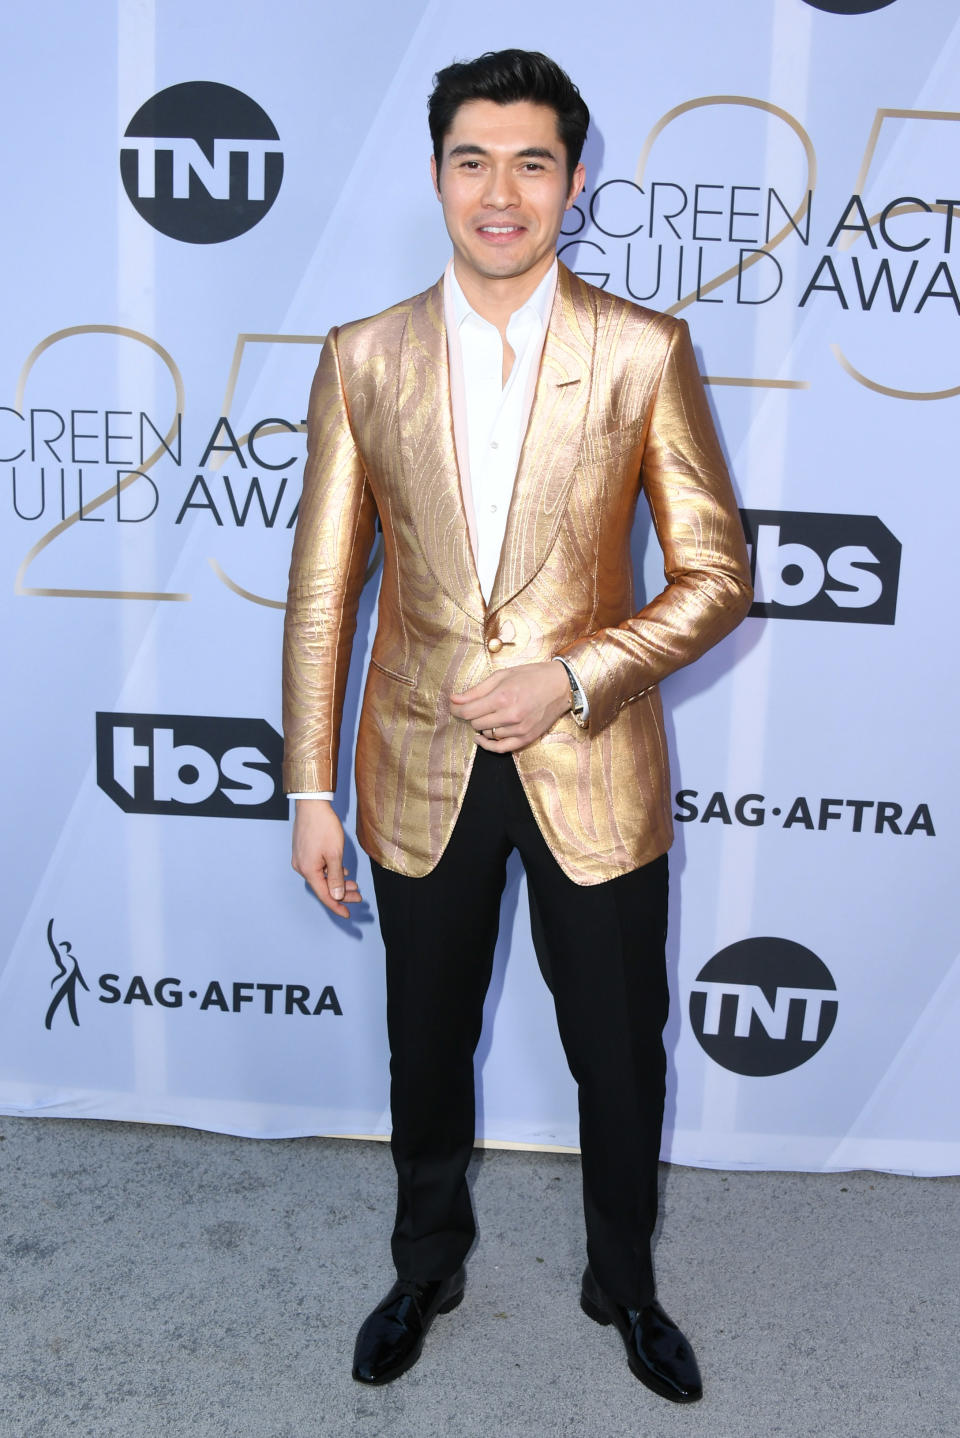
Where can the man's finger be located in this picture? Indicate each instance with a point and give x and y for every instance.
(333, 870)
(501, 744)
(479, 691)
(351, 895)
(481, 716)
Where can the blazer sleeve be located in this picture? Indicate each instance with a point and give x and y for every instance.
(331, 547)
(695, 515)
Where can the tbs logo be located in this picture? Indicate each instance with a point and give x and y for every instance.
(201, 162)
(191, 764)
(843, 567)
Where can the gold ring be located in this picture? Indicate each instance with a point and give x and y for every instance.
(493, 731)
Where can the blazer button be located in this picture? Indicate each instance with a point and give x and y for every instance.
(494, 645)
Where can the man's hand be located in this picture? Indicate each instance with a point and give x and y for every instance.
(513, 707)
(318, 855)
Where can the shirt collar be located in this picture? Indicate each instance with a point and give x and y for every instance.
(540, 302)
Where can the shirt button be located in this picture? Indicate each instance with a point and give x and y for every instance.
(494, 645)
(493, 509)
(493, 444)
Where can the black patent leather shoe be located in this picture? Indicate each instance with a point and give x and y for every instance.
(657, 1352)
(391, 1339)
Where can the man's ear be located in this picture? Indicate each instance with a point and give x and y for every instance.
(433, 176)
(576, 184)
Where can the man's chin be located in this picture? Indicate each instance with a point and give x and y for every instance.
(503, 265)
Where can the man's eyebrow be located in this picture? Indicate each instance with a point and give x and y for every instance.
(532, 152)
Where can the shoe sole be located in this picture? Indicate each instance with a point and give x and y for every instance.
(592, 1310)
(656, 1385)
(453, 1302)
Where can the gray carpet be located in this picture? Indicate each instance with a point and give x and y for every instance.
(162, 1281)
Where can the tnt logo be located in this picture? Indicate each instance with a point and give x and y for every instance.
(763, 1006)
(201, 162)
(822, 566)
(849, 7)
(191, 764)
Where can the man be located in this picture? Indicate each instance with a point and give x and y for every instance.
(501, 425)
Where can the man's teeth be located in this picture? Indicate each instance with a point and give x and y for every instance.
(499, 229)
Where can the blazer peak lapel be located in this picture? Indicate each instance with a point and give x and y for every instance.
(547, 466)
(429, 455)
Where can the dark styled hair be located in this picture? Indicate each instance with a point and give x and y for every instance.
(506, 76)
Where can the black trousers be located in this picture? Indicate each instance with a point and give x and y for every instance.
(602, 951)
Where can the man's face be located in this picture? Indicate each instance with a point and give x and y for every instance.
(503, 186)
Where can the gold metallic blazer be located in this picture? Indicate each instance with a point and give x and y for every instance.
(619, 407)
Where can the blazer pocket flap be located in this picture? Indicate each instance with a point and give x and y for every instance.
(392, 673)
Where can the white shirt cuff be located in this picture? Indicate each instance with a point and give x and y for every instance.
(581, 703)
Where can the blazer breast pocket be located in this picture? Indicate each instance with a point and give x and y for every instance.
(614, 445)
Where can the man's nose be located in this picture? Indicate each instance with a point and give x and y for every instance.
(501, 190)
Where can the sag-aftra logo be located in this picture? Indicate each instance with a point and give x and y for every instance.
(169, 993)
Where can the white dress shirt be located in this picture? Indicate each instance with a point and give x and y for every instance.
(495, 414)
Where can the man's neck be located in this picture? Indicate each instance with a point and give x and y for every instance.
(496, 299)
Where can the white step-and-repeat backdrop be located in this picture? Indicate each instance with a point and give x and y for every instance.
(192, 202)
